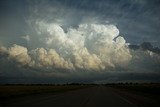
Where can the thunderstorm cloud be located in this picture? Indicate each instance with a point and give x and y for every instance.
(63, 43)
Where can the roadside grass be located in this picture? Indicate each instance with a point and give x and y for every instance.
(145, 89)
(8, 91)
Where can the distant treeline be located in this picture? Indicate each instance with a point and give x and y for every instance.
(49, 84)
(131, 83)
(105, 84)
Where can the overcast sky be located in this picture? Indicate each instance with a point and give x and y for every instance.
(78, 40)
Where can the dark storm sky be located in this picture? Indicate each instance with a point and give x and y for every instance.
(137, 20)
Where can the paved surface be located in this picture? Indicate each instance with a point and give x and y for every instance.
(99, 96)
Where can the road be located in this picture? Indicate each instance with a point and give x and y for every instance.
(99, 96)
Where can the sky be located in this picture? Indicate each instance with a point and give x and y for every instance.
(63, 41)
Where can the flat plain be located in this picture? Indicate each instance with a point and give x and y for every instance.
(80, 95)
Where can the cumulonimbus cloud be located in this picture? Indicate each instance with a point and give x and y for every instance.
(89, 47)
(70, 43)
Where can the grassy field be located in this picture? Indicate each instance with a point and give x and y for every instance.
(144, 87)
(151, 90)
(7, 91)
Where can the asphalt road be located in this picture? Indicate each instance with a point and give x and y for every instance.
(99, 96)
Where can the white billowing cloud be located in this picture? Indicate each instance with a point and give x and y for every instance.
(90, 46)
(3, 50)
(84, 60)
(20, 54)
(36, 58)
(49, 59)
(27, 37)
